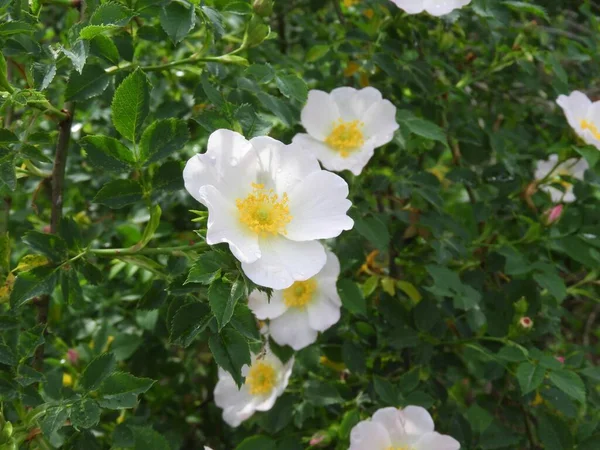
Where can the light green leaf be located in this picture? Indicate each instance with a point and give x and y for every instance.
(352, 297)
(530, 377)
(97, 371)
(131, 105)
(293, 87)
(85, 413)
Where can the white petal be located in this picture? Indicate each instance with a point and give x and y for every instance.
(267, 402)
(263, 308)
(331, 269)
(283, 166)
(327, 279)
(345, 99)
(417, 420)
(319, 114)
(319, 207)
(332, 159)
(380, 122)
(286, 373)
(224, 226)
(237, 404)
(575, 107)
(224, 152)
(593, 116)
(436, 441)
(393, 420)
(367, 435)
(293, 329)
(557, 195)
(543, 168)
(322, 313)
(442, 7)
(284, 261)
(578, 168)
(410, 6)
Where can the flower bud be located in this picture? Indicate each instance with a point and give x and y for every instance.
(553, 215)
(72, 356)
(526, 322)
(256, 32)
(263, 8)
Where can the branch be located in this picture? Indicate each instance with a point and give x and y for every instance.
(58, 179)
(114, 252)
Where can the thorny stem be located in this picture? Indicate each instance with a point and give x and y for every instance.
(112, 252)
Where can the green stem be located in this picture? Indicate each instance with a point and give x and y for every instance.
(112, 252)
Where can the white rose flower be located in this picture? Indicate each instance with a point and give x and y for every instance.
(271, 203)
(433, 7)
(298, 313)
(571, 168)
(266, 379)
(583, 116)
(346, 126)
(410, 428)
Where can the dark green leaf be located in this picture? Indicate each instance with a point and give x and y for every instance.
(90, 83)
(97, 371)
(163, 138)
(231, 352)
(119, 193)
(130, 105)
(108, 153)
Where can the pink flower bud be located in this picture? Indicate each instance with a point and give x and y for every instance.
(317, 438)
(72, 356)
(561, 359)
(553, 215)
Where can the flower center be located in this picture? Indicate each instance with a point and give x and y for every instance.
(299, 294)
(346, 137)
(263, 211)
(585, 125)
(261, 378)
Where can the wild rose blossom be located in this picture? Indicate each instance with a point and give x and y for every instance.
(583, 116)
(560, 174)
(433, 7)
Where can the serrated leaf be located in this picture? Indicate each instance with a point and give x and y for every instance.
(208, 267)
(293, 87)
(147, 439)
(10, 28)
(530, 376)
(90, 83)
(93, 31)
(105, 47)
(39, 281)
(162, 138)
(528, 8)
(111, 13)
(85, 413)
(189, 321)
(119, 193)
(168, 177)
(131, 105)
(7, 356)
(570, 383)
(7, 168)
(78, 54)
(352, 298)
(231, 352)
(177, 20)
(257, 443)
(122, 383)
(54, 419)
(154, 297)
(223, 297)
(108, 153)
(49, 245)
(97, 371)
(422, 127)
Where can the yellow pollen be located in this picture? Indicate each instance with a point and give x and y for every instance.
(585, 125)
(299, 294)
(261, 378)
(346, 137)
(263, 211)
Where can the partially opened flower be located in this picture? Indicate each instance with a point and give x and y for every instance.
(551, 172)
(298, 313)
(583, 116)
(266, 379)
(410, 428)
(346, 126)
(271, 203)
(433, 7)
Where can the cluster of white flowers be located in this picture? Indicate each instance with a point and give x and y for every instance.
(272, 204)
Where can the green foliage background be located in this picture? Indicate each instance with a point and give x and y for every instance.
(449, 251)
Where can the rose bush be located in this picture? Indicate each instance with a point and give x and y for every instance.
(279, 225)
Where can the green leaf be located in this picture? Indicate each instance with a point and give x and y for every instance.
(50, 245)
(257, 443)
(527, 8)
(421, 127)
(570, 383)
(479, 418)
(352, 297)
(208, 267)
(90, 83)
(244, 321)
(39, 281)
(7, 137)
(131, 105)
(213, 95)
(78, 54)
(97, 371)
(93, 31)
(7, 356)
(154, 297)
(106, 48)
(293, 87)
(147, 439)
(512, 353)
(223, 297)
(151, 226)
(373, 230)
(7, 168)
(177, 20)
(189, 321)
(387, 392)
(530, 377)
(162, 139)
(119, 193)
(111, 13)
(15, 27)
(54, 419)
(277, 107)
(168, 177)
(321, 393)
(551, 281)
(85, 413)
(108, 153)
(262, 73)
(231, 352)
(122, 383)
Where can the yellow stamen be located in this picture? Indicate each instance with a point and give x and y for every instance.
(299, 294)
(349, 3)
(585, 125)
(263, 211)
(67, 380)
(261, 378)
(346, 137)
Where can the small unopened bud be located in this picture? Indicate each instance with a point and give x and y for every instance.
(256, 32)
(263, 8)
(526, 322)
(320, 439)
(72, 356)
(553, 215)
(560, 359)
